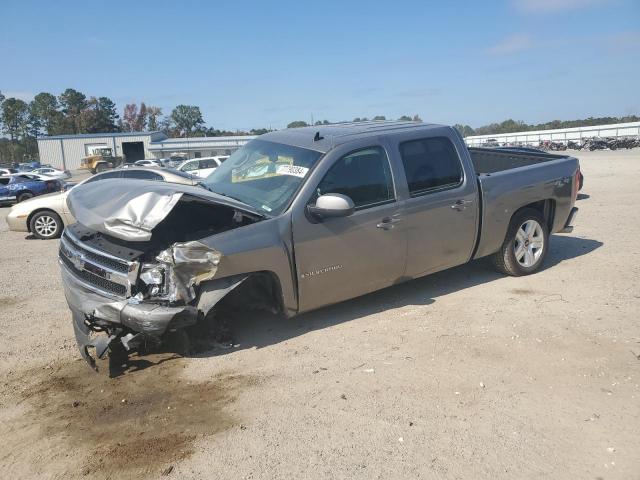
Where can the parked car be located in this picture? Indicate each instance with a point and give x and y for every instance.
(31, 176)
(28, 166)
(7, 171)
(52, 172)
(46, 216)
(147, 163)
(18, 189)
(363, 206)
(202, 167)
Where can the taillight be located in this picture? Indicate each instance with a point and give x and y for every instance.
(576, 185)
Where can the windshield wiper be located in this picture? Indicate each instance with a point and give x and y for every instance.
(253, 209)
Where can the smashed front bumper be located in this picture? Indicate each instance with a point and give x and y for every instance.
(99, 320)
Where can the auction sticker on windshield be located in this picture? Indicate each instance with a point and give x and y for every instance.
(293, 170)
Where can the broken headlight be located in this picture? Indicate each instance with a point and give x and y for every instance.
(153, 276)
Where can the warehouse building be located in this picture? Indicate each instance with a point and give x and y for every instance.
(196, 147)
(66, 151)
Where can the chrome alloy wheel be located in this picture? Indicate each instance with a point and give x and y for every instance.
(529, 243)
(45, 226)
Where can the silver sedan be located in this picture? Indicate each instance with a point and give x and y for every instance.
(45, 216)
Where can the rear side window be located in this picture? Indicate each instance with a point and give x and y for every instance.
(103, 176)
(141, 175)
(208, 163)
(364, 176)
(430, 164)
(187, 167)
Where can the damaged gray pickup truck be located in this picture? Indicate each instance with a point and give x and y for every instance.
(302, 218)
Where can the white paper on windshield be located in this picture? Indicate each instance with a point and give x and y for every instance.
(293, 170)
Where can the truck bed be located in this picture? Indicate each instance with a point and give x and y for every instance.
(507, 180)
(491, 160)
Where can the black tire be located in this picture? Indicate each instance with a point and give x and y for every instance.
(24, 196)
(46, 225)
(102, 167)
(505, 260)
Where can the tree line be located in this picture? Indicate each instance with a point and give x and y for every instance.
(512, 126)
(73, 112)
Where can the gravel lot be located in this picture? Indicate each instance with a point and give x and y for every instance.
(463, 374)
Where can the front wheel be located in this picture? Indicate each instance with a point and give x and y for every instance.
(525, 245)
(45, 225)
(101, 167)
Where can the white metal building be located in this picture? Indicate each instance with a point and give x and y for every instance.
(629, 129)
(66, 151)
(196, 147)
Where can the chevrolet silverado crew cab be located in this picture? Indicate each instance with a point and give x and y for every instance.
(302, 218)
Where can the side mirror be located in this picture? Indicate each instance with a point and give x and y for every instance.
(332, 205)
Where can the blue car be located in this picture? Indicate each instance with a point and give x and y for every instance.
(17, 189)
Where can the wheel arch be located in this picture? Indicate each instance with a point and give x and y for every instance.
(43, 209)
(260, 288)
(546, 208)
(26, 190)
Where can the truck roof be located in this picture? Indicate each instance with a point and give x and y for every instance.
(323, 138)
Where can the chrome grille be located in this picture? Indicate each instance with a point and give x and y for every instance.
(100, 271)
(93, 279)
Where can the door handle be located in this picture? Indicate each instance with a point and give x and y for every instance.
(388, 222)
(461, 205)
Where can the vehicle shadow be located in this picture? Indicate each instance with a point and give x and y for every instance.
(257, 329)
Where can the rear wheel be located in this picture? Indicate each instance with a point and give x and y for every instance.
(24, 196)
(45, 225)
(525, 246)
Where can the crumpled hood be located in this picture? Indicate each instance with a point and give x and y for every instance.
(131, 209)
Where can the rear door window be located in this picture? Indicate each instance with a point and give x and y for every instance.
(142, 175)
(188, 167)
(363, 175)
(430, 164)
(208, 163)
(103, 176)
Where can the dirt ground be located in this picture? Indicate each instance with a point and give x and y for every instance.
(463, 374)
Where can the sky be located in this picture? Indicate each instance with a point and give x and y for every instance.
(251, 64)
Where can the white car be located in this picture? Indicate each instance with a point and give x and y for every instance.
(32, 176)
(147, 163)
(202, 167)
(46, 215)
(52, 172)
(7, 171)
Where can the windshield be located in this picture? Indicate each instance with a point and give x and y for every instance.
(263, 174)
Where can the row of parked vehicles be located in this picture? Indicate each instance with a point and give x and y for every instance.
(201, 167)
(591, 144)
(18, 183)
